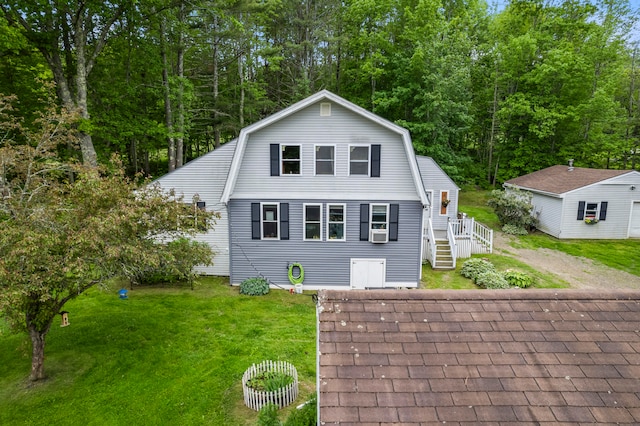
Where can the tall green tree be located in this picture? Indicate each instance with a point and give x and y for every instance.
(70, 35)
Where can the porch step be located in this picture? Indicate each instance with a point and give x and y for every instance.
(444, 258)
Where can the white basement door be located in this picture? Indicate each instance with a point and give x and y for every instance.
(634, 226)
(368, 273)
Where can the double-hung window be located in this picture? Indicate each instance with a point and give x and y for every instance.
(270, 224)
(325, 159)
(336, 219)
(379, 216)
(312, 222)
(359, 160)
(290, 159)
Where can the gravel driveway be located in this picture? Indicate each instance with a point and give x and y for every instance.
(579, 272)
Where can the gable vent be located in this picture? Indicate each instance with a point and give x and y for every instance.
(325, 109)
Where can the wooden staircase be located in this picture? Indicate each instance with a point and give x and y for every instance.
(444, 258)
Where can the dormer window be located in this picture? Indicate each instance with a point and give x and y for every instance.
(290, 159)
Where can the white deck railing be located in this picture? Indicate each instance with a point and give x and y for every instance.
(429, 243)
(466, 237)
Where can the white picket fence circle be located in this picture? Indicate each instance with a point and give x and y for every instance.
(282, 397)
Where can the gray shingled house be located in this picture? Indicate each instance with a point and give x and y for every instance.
(324, 184)
(576, 202)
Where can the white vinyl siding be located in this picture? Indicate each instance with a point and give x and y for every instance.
(342, 129)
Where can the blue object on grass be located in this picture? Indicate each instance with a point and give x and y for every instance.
(123, 293)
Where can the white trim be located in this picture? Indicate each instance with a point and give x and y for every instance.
(304, 222)
(344, 223)
(234, 169)
(315, 158)
(262, 205)
(357, 145)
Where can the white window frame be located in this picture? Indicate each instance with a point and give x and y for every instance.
(386, 223)
(361, 161)
(596, 213)
(343, 222)
(283, 146)
(263, 220)
(305, 221)
(315, 158)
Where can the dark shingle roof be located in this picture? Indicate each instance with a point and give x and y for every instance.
(561, 179)
(479, 357)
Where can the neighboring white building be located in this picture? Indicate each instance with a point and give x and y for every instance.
(576, 202)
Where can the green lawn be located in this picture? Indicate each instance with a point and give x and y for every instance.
(165, 356)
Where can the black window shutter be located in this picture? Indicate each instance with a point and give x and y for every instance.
(274, 151)
(255, 221)
(375, 160)
(284, 221)
(603, 210)
(581, 205)
(364, 222)
(393, 222)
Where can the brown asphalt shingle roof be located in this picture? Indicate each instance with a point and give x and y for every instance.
(525, 357)
(560, 179)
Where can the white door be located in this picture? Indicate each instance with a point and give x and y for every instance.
(634, 225)
(368, 273)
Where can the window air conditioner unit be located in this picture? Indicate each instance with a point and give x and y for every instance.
(378, 236)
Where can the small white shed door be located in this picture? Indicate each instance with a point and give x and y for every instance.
(368, 273)
(634, 226)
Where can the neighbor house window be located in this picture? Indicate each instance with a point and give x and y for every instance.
(336, 222)
(270, 221)
(592, 211)
(325, 160)
(312, 221)
(290, 159)
(359, 160)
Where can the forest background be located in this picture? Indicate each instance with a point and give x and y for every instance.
(489, 94)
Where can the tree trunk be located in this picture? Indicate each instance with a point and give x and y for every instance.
(168, 119)
(37, 353)
(180, 124)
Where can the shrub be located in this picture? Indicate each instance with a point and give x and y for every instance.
(305, 416)
(475, 266)
(514, 230)
(513, 207)
(492, 280)
(256, 286)
(268, 415)
(177, 265)
(518, 279)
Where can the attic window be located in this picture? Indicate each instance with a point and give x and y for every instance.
(325, 109)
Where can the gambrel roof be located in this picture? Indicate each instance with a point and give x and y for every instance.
(323, 95)
(562, 179)
(494, 357)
